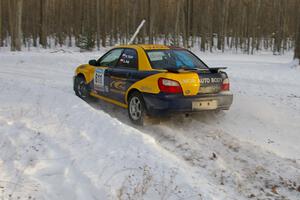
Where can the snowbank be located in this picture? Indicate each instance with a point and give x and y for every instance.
(55, 146)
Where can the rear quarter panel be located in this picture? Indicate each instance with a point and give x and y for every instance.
(189, 82)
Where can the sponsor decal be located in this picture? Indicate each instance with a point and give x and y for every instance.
(99, 79)
(118, 85)
(189, 81)
(210, 80)
(125, 58)
(187, 92)
(106, 88)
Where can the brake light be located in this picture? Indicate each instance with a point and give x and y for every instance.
(169, 86)
(225, 85)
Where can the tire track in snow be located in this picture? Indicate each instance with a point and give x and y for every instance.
(234, 166)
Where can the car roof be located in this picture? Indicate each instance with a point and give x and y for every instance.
(153, 46)
(150, 46)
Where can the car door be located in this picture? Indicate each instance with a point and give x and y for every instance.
(123, 74)
(100, 84)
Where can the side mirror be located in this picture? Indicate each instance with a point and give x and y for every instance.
(93, 62)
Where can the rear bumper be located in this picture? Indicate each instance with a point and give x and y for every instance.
(163, 104)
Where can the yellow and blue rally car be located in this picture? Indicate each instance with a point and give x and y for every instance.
(153, 80)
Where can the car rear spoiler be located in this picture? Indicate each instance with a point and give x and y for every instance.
(212, 69)
(176, 70)
(216, 69)
(173, 70)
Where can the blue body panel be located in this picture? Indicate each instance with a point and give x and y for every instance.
(118, 80)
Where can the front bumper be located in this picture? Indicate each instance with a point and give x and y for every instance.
(163, 104)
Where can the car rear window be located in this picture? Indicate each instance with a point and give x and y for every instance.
(174, 58)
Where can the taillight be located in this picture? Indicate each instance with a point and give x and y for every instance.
(225, 85)
(169, 86)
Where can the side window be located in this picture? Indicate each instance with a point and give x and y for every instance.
(128, 59)
(111, 58)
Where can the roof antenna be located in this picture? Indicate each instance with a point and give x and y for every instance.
(137, 31)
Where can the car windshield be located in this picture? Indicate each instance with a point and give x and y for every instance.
(174, 59)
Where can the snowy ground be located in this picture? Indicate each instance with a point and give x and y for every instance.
(55, 146)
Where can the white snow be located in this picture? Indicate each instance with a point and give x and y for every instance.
(55, 146)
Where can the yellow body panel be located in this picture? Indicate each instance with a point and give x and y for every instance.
(146, 46)
(189, 82)
(109, 100)
(153, 47)
(88, 71)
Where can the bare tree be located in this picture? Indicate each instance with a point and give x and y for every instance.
(297, 44)
(43, 25)
(247, 25)
(1, 39)
(15, 23)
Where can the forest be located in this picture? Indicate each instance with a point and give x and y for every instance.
(247, 26)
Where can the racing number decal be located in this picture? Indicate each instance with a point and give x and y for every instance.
(99, 79)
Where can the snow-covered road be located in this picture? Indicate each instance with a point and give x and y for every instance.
(55, 146)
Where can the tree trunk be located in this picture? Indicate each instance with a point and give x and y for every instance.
(1, 39)
(43, 26)
(297, 45)
(98, 23)
(19, 25)
(177, 20)
(15, 24)
(149, 23)
(103, 32)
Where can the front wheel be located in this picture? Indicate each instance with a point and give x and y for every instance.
(136, 108)
(80, 87)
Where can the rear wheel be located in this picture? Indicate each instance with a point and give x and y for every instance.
(136, 108)
(80, 87)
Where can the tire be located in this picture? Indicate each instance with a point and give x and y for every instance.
(136, 108)
(80, 88)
